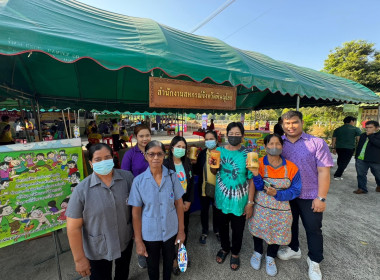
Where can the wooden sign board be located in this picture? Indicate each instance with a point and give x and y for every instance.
(169, 93)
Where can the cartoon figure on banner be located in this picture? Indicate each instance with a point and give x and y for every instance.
(5, 171)
(75, 178)
(64, 161)
(74, 157)
(62, 216)
(40, 162)
(40, 216)
(53, 207)
(53, 158)
(24, 218)
(19, 167)
(9, 160)
(29, 160)
(72, 167)
(3, 186)
(7, 212)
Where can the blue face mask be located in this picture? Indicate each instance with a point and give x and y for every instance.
(103, 167)
(179, 152)
(210, 144)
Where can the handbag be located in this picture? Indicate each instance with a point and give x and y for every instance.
(209, 188)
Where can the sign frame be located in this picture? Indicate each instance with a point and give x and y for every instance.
(194, 95)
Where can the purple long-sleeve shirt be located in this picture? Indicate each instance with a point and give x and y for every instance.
(134, 161)
(308, 153)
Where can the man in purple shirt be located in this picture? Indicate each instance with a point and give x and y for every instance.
(313, 158)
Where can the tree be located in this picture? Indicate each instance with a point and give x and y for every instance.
(356, 60)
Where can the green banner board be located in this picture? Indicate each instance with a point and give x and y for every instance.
(37, 180)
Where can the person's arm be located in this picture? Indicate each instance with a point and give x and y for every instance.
(323, 189)
(374, 139)
(181, 227)
(74, 233)
(333, 145)
(292, 192)
(248, 210)
(137, 225)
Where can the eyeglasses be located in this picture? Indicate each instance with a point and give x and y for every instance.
(153, 155)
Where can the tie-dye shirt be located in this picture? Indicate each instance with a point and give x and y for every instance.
(231, 192)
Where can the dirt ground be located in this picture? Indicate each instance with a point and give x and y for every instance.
(351, 228)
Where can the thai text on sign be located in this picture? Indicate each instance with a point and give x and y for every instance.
(169, 93)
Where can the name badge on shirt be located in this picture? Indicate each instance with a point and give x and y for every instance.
(171, 195)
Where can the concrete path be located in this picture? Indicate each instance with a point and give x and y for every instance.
(351, 229)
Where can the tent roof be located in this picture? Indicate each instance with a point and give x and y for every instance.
(68, 54)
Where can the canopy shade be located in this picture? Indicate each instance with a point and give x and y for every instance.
(67, 54)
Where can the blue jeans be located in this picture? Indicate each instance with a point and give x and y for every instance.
(362, 170)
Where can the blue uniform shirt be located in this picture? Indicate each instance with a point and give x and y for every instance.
(159, 215)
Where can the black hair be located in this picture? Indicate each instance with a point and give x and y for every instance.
(349, 119)
(2, 208)
(279, 119)
(113, 121)
(52, 203)
(71, 162)
(290, 114)
(174, 142)
(270, 136)
(213, 133)
(65, 200)
(76, 174)
(17, 209)
(98, 147)
(3, 181)
(40, 154)
(4, 118)
(62, 151)
(74, 155)
(73, 185)
(154, 143)
(235, 124)
(4, 162)
(94, 130)
(49, 153)
(375, 123)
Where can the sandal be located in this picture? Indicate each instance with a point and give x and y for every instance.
(222, 255)
(236, 261)
(176, 270)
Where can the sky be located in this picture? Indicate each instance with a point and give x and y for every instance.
(302, 32)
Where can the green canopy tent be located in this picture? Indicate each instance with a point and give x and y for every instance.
(63, 53)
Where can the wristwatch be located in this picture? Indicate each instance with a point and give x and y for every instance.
(321, 198)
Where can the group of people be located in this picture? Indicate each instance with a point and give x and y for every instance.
(8, 133)
(149, 199)
(349, 140)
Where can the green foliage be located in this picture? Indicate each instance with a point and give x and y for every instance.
(356, 60)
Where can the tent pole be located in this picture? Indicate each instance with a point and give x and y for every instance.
(68, 117)
(64, 122)
(39, 120)
(298, 102)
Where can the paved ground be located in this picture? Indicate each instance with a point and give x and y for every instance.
(351, 231)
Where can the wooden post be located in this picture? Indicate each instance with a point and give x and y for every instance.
(64, 122)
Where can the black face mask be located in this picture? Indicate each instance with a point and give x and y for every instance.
(234, 140)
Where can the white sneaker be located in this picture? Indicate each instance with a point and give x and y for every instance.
(314, 270)
(338, 178)
(256, 260)
(286, 253)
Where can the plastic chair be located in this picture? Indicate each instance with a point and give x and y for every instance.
(108, 141)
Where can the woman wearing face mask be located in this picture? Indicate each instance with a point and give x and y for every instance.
(206, 183)
(99, 222)
(156, 198)
(134, 161)
(180, 163)
(233, 194)
(276, 181)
